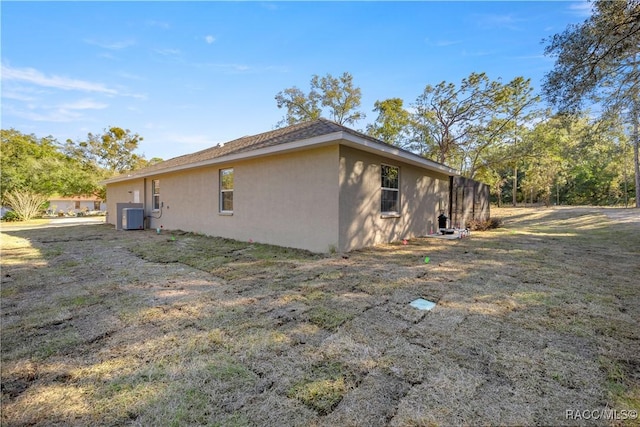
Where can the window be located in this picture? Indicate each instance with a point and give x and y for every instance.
(77, 204)
(390, 198)
(226, 190)
(155, 193)
(96, 205)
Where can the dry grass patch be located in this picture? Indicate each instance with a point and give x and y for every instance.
(135, 328)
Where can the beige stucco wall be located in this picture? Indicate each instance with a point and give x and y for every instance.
(188, 200)
(422, 194)
(123, 192)
(292, 199)
(320, 199)
(287, 199)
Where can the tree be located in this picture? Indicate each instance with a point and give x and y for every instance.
(37, 165)
(495, 180)
(470, 125)
(570, 158)
(154, 160)
(300, 107)
(337, 95)
(597, 61)
(105, 155)
(547, 160)
(392, 124)
(113, 151)
(596, 176)
(518, 102)
(446, 116)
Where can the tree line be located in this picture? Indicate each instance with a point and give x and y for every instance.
(495, 132)
(36, 168)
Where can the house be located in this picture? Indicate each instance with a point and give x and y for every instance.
(316, 185)
(75, 204)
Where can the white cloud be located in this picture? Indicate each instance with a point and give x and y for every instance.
(153, 126)
(141, 96)
(115, 45)
(541, 57)
(36, 77)
(442, 43)
(58, 113)
(236, 67)
(53, 115)
(108, 56)
(277, 68)
(583, 8)
(17, 95)
(210, 39)
(229, 67)
(130, 76)
(491, 21)
(83, 104)
(158, 24)
(167, 52)
(241, 68)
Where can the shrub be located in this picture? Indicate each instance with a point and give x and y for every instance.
(25, 204)
(10, 216)
(488, 224)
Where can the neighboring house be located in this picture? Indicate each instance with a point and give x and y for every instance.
(75, 204)
(315, 185)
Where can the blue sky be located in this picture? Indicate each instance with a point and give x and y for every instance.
(189, 75)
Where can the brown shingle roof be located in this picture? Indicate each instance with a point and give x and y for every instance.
(296, 132)
(291, 133)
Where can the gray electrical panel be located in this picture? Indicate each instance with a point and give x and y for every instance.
(133, 219)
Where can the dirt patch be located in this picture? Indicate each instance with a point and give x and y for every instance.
(532, 320)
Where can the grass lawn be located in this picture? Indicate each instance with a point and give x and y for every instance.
(534, 321)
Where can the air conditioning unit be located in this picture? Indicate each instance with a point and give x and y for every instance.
(133, 219)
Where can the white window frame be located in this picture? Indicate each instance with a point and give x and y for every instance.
(155, 195)
(386, 213)
(223, 191)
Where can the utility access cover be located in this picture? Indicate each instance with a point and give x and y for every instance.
(422, 304)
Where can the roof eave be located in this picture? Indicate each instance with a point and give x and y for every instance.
(316, 141)
(340, 137)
